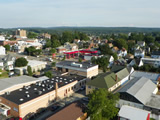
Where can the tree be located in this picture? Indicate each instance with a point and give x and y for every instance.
(105, 49)
(52, 50)
(29, 70)
(66, 37)
(121, 43)
(7, 47)
(115, 56)
(48, 74)
(21, 62)
(149, 39)
(53, 64)
(80, 60)
(102, 104)
(32, 35)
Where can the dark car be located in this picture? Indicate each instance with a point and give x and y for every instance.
(53, 108)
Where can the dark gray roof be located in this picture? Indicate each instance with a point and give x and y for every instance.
(41, 87)
(141, 89)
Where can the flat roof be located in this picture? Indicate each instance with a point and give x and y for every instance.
(80, 65)
(38, 89)
(32, 63)
(9, 82)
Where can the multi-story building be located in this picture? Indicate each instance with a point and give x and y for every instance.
(21, 33)
(85, 69)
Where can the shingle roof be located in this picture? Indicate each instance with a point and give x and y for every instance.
(105, 80)
(116, 68)
(123, 73)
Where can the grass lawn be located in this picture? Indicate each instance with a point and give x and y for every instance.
(4, 74)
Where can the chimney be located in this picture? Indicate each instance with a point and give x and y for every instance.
(116, 78)
(56, 90)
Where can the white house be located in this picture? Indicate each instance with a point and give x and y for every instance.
(2, 50)
(2, 38)
(137, 62)
(122, 52)
(139, 53)
(141, 43)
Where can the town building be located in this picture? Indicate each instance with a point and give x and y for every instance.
(85, 69)
(35, 66)
(140, 53)
(141, 43)
(30, 98)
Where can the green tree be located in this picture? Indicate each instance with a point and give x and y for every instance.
(29, 70)
(102, 104)
(121, 43)
(115, 56)
(105, 49)
(21, 62)
(53, 64)
(52, 50)
(7, 47)
(48, 74)
(80, 60)
(66, 37)
(32, 35)
(149, 39)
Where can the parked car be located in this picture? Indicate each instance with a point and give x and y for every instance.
(86, 99)
(55, 107)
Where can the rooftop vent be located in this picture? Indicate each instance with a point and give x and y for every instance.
(39, 92)
(26, 92)
(21, 99)
(20, 89)
(35, 88)
(43, 89)
(76, 64)
(43, 85)
(28, 95)
(66, 82)
(7, 93)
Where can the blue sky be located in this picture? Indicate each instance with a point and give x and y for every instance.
(105, 13)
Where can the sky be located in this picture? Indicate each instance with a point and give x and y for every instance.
(79, 13)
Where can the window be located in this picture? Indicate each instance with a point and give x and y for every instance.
(89, 86)
(15, 109)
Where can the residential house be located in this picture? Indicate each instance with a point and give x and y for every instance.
(155, 62)
(120, 61)
(131, 113)
(2, 50)
(2, 38)
(7, 62)
(155, 54)
(109, 80)
(70, 46)
(139, 53)
(141, 43)
(122, 52)
(110, 45)
(115, 49)
(138, 62)
(60, 49)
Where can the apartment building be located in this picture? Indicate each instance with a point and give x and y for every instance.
(21, 33)
(85, 69)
